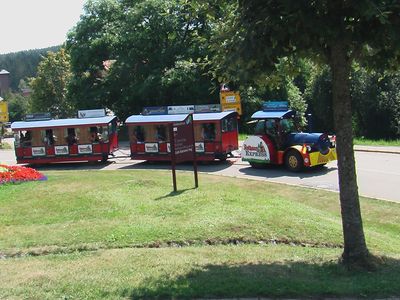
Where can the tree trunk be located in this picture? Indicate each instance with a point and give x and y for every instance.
(355, 249)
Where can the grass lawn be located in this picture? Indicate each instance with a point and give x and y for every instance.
(360, 141)
(123, 234)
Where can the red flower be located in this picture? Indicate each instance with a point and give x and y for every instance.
(19, 174)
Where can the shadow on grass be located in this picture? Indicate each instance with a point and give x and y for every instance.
(276, 280)
(68, 166)
(173, 193)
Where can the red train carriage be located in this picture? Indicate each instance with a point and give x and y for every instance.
(62, 140)
(216, 135)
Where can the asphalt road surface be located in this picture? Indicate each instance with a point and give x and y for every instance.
(378, 174)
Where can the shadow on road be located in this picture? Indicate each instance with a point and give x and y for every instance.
(213, 166)
(274, 171)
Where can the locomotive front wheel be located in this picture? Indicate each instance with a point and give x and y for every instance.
(294, 161)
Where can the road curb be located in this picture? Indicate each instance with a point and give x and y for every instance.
(377, 151)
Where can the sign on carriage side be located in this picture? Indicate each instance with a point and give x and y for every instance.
(38, 117)
(61, 150)
(180, 109)
(38, 151)
(91, 113)
(151, 147)
(85, 149)
(255, 149)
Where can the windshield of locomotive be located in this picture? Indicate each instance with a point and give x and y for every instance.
(287, 125)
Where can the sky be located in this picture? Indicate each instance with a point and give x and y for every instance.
(36, 24)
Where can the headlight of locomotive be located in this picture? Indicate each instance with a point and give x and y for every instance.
(332, 139)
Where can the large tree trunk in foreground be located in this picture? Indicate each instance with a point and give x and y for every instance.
(355, 249)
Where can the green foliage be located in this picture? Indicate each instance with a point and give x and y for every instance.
(23, 64)
(376, 104)
(318, 95)
(18, 106)
(49, 88)
(156, 48)
(260, 33)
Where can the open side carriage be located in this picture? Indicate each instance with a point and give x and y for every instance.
(62, 140)
(215, 133)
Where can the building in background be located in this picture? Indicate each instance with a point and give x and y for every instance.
(4, 82)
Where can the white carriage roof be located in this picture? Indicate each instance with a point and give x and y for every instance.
(156, 118)
(212, 116)
(177, 118)
(23, 125)
(271, 114)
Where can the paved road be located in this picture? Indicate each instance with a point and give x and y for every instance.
(378, 172)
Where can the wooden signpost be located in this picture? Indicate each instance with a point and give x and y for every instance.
(183, 146)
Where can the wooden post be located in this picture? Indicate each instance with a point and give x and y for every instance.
(196, 180)
(173, 158)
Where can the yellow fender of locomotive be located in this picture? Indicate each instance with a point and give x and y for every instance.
(316, 158)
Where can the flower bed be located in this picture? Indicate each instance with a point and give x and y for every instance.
(19, 174)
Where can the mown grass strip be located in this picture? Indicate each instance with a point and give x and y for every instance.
(43, 251)
(193, 272)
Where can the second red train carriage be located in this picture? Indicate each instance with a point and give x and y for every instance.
(216, 135)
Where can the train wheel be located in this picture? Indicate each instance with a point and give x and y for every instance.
(294, 161)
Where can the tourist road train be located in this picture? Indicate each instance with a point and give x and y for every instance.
(92, 136)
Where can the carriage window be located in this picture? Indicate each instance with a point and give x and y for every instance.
(95, 135)
(59, 138)
(104, 130)
(229, 124)
(47, 137)
(137, 134)
(270, 127)
(25, 138)
(287, 125)
(260, 127)
(208, 131)
(37, 139)
(83, 135)
(71, 136)
(161, 133)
